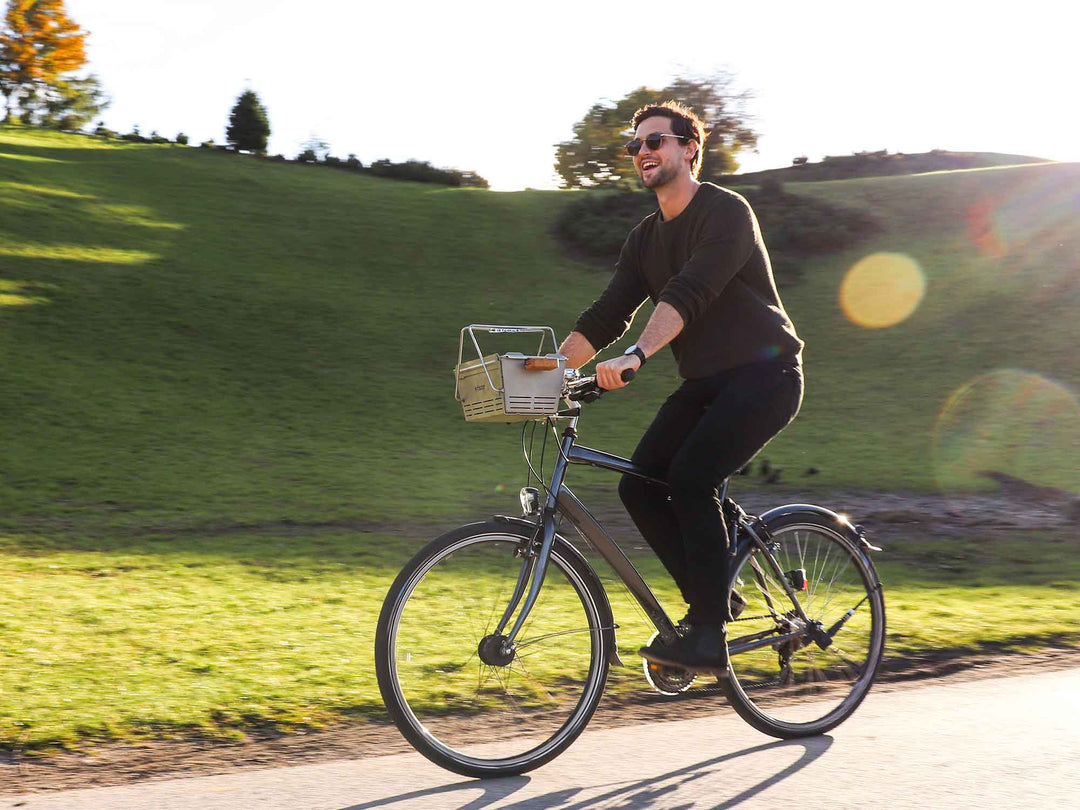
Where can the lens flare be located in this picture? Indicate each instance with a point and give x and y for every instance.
(1008, 424)
(881, 290)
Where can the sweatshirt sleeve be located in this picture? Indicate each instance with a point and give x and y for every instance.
(725, 242)
(612, 313)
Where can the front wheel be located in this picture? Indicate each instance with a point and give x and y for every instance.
(453, 690)
(783, 681)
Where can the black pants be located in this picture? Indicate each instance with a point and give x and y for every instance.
(704, 432)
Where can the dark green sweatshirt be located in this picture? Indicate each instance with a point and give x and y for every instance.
(711, 265)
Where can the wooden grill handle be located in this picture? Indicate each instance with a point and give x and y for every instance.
(541, 363)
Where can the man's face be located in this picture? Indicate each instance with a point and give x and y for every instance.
(668, 161)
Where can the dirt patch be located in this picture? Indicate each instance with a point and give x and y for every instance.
(1016, 507)
(158, 760)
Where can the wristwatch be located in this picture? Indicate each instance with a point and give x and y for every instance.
(635, 349)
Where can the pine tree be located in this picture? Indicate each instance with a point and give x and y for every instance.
(249, 128)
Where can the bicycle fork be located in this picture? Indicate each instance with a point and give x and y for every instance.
(534, 564)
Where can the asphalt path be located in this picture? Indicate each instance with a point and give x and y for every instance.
(1001, 743)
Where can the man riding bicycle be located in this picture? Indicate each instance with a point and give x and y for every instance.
(701, 260)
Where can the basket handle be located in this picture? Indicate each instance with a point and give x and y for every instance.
(541, 363)
(492, 329)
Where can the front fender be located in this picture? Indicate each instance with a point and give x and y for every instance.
(607, 618)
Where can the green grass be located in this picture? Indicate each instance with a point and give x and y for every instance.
(202, 353)
(220, 634)
(190, 337)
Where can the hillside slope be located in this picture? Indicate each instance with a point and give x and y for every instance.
(189, 337)
(880, 164)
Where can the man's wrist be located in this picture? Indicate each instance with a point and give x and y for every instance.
(636, 350)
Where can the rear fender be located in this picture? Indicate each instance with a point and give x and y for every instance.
(853, 532)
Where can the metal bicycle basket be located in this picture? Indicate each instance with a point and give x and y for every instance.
(510, 387)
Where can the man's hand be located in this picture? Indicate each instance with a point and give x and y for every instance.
(608, 373)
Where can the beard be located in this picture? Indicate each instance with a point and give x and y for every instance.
(661, 175)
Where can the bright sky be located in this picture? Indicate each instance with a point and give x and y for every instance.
(408, 79)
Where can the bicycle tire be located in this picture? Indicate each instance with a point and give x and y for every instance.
(427, 658)
(816, 689)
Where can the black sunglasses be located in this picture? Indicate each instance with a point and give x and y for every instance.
(653, 142)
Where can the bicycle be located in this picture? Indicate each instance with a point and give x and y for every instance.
(535, 647)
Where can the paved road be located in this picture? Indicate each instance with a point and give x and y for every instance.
(1005, 743)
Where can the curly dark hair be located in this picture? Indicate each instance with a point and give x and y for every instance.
(684, 123)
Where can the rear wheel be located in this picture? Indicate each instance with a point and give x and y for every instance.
(788, 678)
(454, 690)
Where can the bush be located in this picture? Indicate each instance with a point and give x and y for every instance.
(157, 138)
(353, 162)
(771, 186)
(208, 144)
(330, 160)
(423, 172)
(307, 156)
(594, 226)
(102, 131)
(181, 139)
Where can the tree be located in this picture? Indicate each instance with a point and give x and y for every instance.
(314, 150)
(40, 46)
(73, 103)
(249, 127)
(595, 156)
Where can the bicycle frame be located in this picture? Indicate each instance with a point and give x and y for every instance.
(560, 500)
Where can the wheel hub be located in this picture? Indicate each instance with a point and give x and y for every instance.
(494, 651)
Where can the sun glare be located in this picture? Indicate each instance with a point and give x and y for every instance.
(881, 290)
(1008, 424)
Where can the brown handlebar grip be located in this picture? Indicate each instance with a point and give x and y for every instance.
(541, 363)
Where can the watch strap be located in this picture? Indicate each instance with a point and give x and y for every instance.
(635, 349)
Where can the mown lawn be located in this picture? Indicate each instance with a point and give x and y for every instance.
(221, 634)
(207, 362)
(190, 337)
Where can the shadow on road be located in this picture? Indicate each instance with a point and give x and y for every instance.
(494, 789)
(652, 792)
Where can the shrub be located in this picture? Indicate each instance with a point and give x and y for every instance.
(353, 162)
(330, 160)
(594, 226)
(103, 131)
(423, 172)
(208, 144)
(157, 138)
(307, 156)
(181, 139)
(771, 186)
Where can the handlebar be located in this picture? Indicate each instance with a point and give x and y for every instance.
(585, 389)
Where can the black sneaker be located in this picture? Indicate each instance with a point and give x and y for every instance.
(703, 649)
(656, 647)
(737, 604)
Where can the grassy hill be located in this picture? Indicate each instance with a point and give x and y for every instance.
(225, 395)
(878, 164)
(192, 337)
